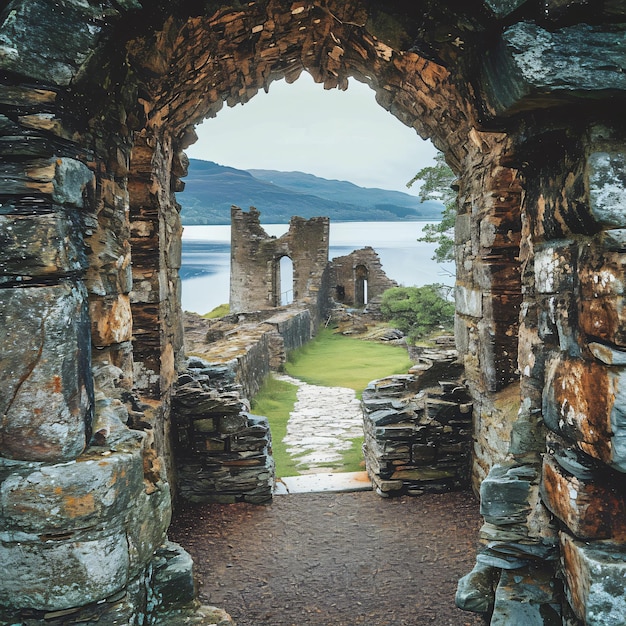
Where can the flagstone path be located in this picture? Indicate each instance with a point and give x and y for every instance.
(322, 425)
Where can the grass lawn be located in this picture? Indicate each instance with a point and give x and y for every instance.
(219, 311)
(330, 360)
(335, 360)
(276, 400)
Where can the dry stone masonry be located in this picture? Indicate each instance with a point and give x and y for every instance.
(418, 436)
(358, 278)
(98, 101)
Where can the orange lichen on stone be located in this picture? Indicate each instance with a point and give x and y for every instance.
(584, 400)
(79, 506)
(590, 509)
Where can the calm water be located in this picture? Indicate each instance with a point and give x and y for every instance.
(206, 257)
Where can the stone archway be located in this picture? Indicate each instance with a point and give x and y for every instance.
(284, 280)
(360, 285)
(99, 100)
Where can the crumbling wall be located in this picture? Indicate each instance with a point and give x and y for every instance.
(346, 273)
(417, 428)
(255, 262)
(222, 452)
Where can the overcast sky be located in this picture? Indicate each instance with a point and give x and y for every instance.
(334, 134)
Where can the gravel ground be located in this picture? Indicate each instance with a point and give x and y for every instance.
(334, 559)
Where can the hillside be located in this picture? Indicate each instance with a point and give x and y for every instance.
(211, 189)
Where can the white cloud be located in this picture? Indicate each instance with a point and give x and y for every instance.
(332, 134)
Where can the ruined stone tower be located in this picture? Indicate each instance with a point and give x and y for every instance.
(98, 100)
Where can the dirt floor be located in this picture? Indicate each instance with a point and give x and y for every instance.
(334, 559)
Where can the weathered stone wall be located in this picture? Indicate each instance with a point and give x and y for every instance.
(97, 101)
(222, 452)
(255, 262)
(348, 273)
(248, 345)
(418, 433)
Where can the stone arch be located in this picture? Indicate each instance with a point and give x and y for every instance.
(283, 282)
(361, 275)
(94, 125)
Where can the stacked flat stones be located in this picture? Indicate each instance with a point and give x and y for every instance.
(416, 440)
(223, 452)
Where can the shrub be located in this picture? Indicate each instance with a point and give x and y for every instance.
(417, 311)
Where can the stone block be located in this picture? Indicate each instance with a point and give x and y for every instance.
(232, 423)
(608, 355)
(84, 496)
(70, 179)
(613, 240)
(555, 268)
(584, 401)
(71, 30)
(476, 590)
(502, 8)
(58, 574)
(111, 320)
(589, 506)
(528, 596)
(534, 64)
(173, 576)
(607, 188)
(146, 526)
(462, 228)
(46, 372)
(601, 273)
(604, 317)
(505, 493)
(595, 574)
(468, 301)
(44, 245)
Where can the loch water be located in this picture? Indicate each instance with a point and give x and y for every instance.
(205, 270)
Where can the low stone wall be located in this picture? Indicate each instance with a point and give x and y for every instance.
(222, 452)
(418, 437)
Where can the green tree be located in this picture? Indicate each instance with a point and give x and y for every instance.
(437, 183)
(417, 311)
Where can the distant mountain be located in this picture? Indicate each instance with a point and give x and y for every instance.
(211, 189)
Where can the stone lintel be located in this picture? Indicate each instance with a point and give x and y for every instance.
(534, 67)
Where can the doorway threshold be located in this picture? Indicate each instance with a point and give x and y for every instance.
(318, 483)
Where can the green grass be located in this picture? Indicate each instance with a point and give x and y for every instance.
(330, 360)
(352, 460)
(334, 360)
(275, 400)
(218, 311)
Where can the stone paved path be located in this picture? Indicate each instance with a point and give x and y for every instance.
(323, 423)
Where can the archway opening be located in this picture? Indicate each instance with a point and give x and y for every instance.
(300, 139)
(285, 281)
(360, 285)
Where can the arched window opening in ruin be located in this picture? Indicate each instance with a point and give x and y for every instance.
(285, 270)
(360, 285)
(331, 134)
